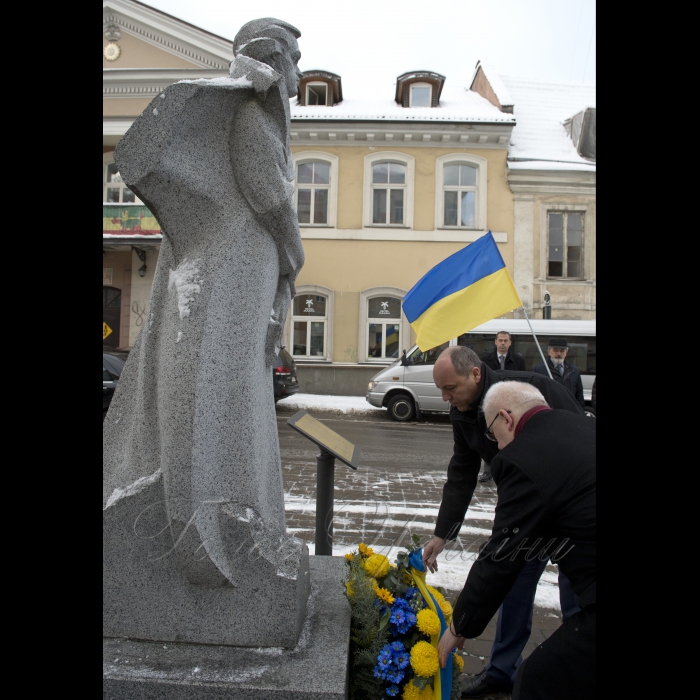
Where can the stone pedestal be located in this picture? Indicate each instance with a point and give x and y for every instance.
(317, 668)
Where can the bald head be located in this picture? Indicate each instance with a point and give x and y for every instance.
(457, 373)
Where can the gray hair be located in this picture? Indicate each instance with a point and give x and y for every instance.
(512, 395)
(464, 359)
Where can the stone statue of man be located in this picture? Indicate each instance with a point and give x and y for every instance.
(192, 425)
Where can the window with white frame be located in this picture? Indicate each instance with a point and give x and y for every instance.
(421, 95)
(389, 179)
(316, 94)
(316, 188)
(114, 189)
(565, 240)
(309, 325)
(383, 327)
(461, 191)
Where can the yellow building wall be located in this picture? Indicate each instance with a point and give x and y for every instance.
(351, 266)
(136, 53)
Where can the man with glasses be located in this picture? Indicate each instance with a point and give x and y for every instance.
(545, 475)
(464, 381)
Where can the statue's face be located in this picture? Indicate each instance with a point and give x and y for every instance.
(289, 68)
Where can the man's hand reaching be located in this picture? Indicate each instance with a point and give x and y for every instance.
(430, 552)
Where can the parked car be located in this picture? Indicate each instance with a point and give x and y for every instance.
(113, 362)
(284, 376)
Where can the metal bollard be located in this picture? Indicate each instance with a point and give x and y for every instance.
(325, 477)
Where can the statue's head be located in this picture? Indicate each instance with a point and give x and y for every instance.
(273, 42)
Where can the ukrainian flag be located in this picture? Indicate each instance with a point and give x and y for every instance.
(463, 291)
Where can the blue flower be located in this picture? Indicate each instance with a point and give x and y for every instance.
(392, 690)
(397, 647)
(402, 659)
(383, 662)
(394, 676)
(379, 674)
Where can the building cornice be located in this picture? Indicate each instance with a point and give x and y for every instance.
(570, 182)
(168, 33)
(138, 82)
(400, 133)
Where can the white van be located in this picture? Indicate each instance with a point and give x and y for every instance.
(407, 389)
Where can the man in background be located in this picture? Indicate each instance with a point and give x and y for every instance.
(503, 356)
(562, 371)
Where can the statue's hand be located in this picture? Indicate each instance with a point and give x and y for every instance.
(273, 342)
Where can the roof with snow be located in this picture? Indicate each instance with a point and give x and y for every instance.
(457, 104)
(540, 138)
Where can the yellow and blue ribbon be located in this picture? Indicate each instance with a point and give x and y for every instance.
(442, 681)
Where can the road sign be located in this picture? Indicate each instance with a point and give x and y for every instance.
(106, 330)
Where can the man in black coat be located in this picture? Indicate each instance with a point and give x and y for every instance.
(503, 356)
(464, 381)
(562, 371)
(545, 475)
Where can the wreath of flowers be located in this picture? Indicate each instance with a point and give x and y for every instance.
(392, 624)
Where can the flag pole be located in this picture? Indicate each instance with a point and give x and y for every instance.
(537, 343)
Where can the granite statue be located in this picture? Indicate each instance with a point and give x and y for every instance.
(196, 547)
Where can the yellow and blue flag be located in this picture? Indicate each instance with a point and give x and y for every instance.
(463, 291)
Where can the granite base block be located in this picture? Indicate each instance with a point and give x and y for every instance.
(316, 668)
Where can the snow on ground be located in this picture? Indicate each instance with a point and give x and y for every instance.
(329, 404)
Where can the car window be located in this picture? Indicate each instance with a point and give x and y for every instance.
(106, 375)
(418, 357)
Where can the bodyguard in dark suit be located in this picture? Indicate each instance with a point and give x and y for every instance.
(503, 356)
(562, 371)
(545, 476)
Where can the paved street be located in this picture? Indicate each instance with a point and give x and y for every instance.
(396, 492)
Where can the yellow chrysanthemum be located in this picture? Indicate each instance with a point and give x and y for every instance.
(383, 594)
(446, 610)
(348, 556)
(436, 594)
(428, 622)
(458, 662)
(362, 547)
(411, 692)
(348, 588)
(376, 565)
(424, 659)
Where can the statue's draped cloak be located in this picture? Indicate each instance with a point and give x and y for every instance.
(211, 159)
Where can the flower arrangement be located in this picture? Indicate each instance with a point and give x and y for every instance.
(395, 629)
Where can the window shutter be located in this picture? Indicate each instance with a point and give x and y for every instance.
(434, 95)
(406, 95)
(302, 94)
(329, 94)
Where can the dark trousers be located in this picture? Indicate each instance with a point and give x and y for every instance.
(515, 620)
(564, 665)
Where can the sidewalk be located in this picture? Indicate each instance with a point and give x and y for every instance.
(409, 502)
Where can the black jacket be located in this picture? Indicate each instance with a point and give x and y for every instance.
(514, 360)
(471, 445)
(546, 490)
(571, 379)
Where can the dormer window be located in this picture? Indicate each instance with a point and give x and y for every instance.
(421, 94)
(318, 88)
(316, 94)
(419, 89)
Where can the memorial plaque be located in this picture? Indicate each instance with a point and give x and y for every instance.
(325, 438)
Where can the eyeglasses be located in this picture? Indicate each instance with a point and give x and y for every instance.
(489, 434)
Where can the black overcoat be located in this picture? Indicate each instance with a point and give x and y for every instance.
(546, 495)
(514, 360)
(571, 379)
(471, 445)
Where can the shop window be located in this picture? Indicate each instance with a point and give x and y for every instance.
(383, 328)
(310, 313)
(565, 239)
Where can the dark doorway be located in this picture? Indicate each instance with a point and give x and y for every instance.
(111, 313)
